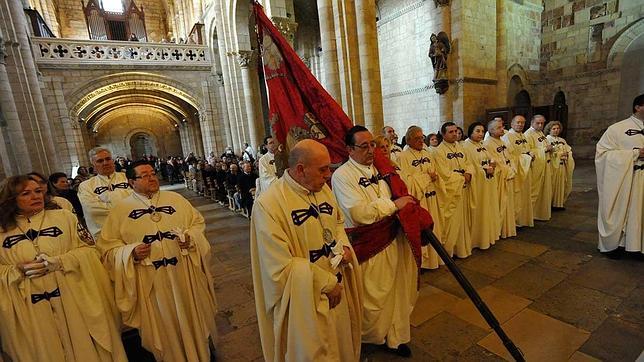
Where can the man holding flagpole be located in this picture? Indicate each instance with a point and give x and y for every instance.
(388, 267)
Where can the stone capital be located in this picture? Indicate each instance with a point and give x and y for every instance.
(306, 60)
(286, 26)
(246, 57)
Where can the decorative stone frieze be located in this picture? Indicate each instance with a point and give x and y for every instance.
(74, 51)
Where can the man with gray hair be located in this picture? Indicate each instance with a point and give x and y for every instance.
(99, 194)
(418, 170)
(306, 278)
(541, 182)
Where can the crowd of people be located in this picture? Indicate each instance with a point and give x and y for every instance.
(85, 259)
(131, 259)
(477, 190)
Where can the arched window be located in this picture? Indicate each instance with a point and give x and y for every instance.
(114, 6)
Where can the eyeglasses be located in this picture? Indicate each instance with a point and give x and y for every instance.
(147, 177)
(366, 145)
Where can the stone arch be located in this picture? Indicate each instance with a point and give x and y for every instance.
(518, 79)
(560, 111)
(559, 98)
(131, 140)
(622, 41)
(631, 75)
(85, 94)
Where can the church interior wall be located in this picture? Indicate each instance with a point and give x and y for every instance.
(117, 132)
(576, 40)
(404, 28)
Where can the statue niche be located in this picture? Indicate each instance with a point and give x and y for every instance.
(438, 51)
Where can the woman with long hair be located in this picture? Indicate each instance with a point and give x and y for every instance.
(56, 300)
(50, 191)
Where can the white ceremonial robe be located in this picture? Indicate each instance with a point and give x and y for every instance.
(98, 195)
(505, 172)
(620, 184)
(65, 315)
(395, 151)
(482, 197)
(562, 167)
(451, 165)
(169, 295)
(415, 167)
(63, 203)
(389, 277)
(267, 173)
(541, 175)
(292, 271)
(520, 156)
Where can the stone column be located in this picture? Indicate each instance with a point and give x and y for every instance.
(329, 54)
(223, 113)
(206, 118)
(75, 146)
(248, 62)
(369, 64)
(13, 148)
(33, 117)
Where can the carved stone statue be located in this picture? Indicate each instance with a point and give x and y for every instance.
(438, 51)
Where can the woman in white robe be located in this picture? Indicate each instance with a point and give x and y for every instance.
(562, 164)
(482, 195)
(55, 296)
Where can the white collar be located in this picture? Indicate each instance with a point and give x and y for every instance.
(294, 185)
(361, 166)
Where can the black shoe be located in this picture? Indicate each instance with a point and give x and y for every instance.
(615, 254)
(403, 350)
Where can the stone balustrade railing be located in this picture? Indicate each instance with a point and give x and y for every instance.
(54, 51)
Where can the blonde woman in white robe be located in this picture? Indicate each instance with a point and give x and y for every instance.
(56, 302)
(482, 195)
(562, 164)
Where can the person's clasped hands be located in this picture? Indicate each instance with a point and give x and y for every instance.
(41, 265)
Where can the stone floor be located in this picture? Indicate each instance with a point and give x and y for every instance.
(556, 297)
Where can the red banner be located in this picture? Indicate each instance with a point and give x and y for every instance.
(299, 107)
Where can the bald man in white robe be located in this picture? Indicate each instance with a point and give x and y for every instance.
(306, 278)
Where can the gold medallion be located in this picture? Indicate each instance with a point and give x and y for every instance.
(155, 216)
(327, 236)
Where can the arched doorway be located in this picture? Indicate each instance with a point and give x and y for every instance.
(632, 76)
(522, 104)
(142, 144)
(560, 111)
